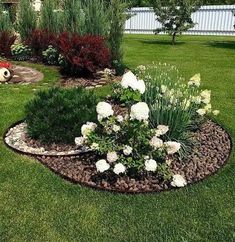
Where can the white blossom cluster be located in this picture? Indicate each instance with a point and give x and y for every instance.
(129, 80)
(113, 125)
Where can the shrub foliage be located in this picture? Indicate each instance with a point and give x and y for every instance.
(6, 41)
(56, 115)
(83, 54)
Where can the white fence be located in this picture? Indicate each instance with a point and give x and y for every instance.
(210, 20)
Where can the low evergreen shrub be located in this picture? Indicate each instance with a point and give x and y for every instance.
(56, 115)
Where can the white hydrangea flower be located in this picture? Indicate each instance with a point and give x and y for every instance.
(128, 79)
(102, 166)
(195, 80)
(127, 150)
(112, 156)
(88, 128)
(201, 112)
(216, 112)
(119, 168)
(79, 141)
(140, 111)
(141, 86)
(156, 143)
(150, 165)
(116, 128)
(161, 130)
(206, 96)
(178, 181)
(95, 146)
(172, 147)
(104, 110)
(120, 118)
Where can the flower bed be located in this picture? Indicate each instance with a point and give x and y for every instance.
(134, 145)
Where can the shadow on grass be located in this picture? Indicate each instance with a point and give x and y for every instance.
(161, 42)
(222, 44)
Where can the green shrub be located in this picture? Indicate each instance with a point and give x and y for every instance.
(51, 56)
(5, 21)
(51, 17)
(20, 52)
(74, 17)
(27, 19)
(117, 24)
(56, 115)
(97, 17)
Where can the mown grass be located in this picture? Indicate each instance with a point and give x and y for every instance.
(37, 205)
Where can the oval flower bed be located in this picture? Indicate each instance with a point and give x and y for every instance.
(151, 136)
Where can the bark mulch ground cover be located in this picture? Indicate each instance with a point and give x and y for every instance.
(211, 151)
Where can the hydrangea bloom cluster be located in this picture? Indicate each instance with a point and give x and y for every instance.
(128, 142)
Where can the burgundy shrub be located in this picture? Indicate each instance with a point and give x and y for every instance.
(39, 40)
(6, 41)
(83, 54)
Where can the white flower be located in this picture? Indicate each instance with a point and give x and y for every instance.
(140, 111)
(172, 147)
(178, 181)
(208, 108)
(186, 104)
(196, 99)
(195, 80)
(163, 88)
(156, 143)
(88, 128)
(206, 96)
(94, 146)
(116, 128)
(119, 168)
(79, 141)
(141, 68)
(120, 118)
(146, 157)
(128, 79)
(161, 130)
(112, 157)
(150, 165)
(168, 162)
(127, 150)
(141, 86)
(201, 112)
(216, 112)
(102, 166)
(104, 110)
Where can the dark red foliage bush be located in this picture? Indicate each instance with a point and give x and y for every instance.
(39, 41)
(6, 41)
(83, 54)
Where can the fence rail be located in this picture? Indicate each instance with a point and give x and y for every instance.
(210, 20)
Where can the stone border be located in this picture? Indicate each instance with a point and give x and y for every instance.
(27, 150)
(43, 161)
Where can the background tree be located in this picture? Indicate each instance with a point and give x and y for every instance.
(26, 18)
(174, 15)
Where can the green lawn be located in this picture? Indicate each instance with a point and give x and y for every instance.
(37, 205)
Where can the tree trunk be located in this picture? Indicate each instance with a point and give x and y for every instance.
(173, 38)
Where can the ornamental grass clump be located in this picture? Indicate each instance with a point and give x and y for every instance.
(56, 115)
(171, 100)
(5, 21)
